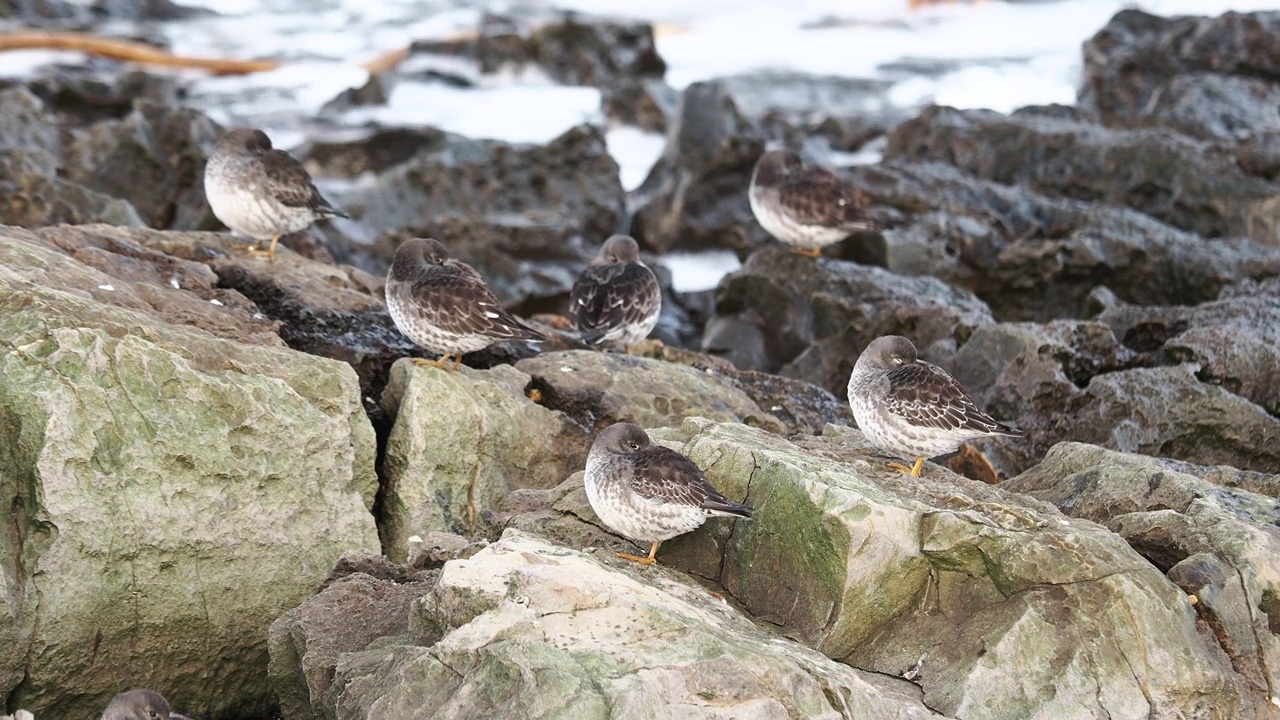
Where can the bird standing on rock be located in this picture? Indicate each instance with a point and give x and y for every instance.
(647, 492)
(805, 206)
(261, 192)
(616, 301)
(443, 304)
(912, 408)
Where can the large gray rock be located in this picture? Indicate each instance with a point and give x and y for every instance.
(1184, 383)
(527, 629)
(30, 157)
(1013, 609)
(786, 313)
(369, 600)
(1208, 77)
(1218, 542)
(154, 158)
(1032, 256)
(172, 493)
(460, 443)
(599, 389)
(1190, 184)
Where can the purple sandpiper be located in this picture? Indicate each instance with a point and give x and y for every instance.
(912, 408)
(261, 192)
(616, 301)
(443, 305)
(805, 206)
(647, 492)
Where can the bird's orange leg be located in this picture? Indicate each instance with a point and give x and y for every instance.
(437, 363)
(812, 252)
(643, 560)
(913, 471)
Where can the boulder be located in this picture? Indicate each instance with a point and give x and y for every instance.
(572, 49)
(34, 193)
(1032, 256)
(80, 95)
(1169, 412)
(1002, 606)
(1190, 184)
(527, 629)
(173, 492)
(528, 218)
(806, 319)
(1235, 341)
(460, 443)
(598, 389)
(1216, 540)
(154, 158)
(695, 196)
(349, 613)
(1138, 379)
(1208, 77)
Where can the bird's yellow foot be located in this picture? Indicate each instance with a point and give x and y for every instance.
(913, 471)
(457, 363)
(653, 550)
(438, 363)
(812, 252)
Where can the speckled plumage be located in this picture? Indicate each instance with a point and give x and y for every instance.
(805, 206)
(647, 492)
(261, 192)
(912, 408)
(443, 304)
(616, 301)
(140, 704)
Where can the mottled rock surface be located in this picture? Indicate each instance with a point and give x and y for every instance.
(526, 629)
(156, 472)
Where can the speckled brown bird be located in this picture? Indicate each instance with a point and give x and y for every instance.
(912, 408)
(805, 206)
(443, 304)
(647, 492)
(261, 192)
(616, 301)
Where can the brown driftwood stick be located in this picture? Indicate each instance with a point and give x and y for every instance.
(129, 50)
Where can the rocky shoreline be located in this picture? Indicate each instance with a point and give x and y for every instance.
(227, 484)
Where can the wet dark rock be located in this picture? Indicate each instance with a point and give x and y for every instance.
(815, 317)
(695, 197)
(1207, 77)
(1189, 184)
(648, 104)
(803, 407)
(1235, 342)
(527, 217)
(32, 194)
(1032, 256)
(81, 95)
(846, 111)
(154, 158)
(573, 49)
(375, 150)
(63, 13)
(375, 91)
(350, 611)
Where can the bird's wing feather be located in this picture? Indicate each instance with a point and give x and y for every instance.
(289, 183)
(926, 396)
(606, 297)
(456, 299)
(664, 475)
(816, 196)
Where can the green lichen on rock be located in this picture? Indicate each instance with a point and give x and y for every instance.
(174, 492)
(461, 442)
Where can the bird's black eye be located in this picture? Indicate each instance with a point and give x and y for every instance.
(634, 445)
